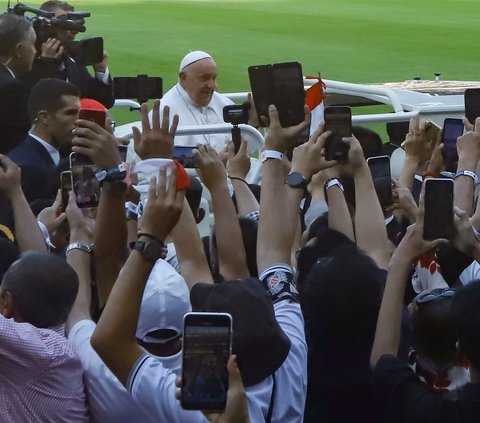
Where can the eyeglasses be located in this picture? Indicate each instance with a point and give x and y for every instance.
(427, 297)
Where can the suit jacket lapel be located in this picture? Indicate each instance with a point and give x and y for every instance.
(41, 151)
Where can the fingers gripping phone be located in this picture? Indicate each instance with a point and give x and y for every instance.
(382, 179)
(452, 129)
(84, 182)
(438, 218)
(207, 339)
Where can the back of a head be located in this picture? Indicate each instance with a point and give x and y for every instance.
(434, 334)
(13, 30)
(47, 95)
(369, 140)
(466, 317)
(43, 288)
(341, 300)
(52, 5)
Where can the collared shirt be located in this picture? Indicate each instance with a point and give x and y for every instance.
(190, 114)
(54, 154)
(9, 70)
(41, 378)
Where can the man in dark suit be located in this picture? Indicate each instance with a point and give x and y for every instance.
(55, 62)
(17, 51)
(53, 106)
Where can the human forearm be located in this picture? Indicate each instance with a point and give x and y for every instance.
(246, 201)
(387, 335)
(116, 328)
(27, 232)
(339, 218)
(410, 166)
(231, 252)
(464, 186)
(273, 240)
(370, 230)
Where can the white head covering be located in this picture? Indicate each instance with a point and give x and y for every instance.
(192, 57)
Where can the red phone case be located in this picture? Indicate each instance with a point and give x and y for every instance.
(97, 116)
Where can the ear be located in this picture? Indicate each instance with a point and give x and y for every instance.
(182, 77)
(43, 117)
(7, 307)
(19, 50)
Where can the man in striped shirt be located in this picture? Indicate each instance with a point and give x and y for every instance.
(40, 375)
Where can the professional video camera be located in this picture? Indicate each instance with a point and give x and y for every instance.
(87, 51)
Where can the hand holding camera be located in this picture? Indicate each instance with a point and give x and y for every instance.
(52, 49)
(238, 164)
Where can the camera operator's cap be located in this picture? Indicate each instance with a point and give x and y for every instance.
(164, 303)
(258, 340)
(192, 57)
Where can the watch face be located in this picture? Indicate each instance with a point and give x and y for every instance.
(152, 251)
(296, 180)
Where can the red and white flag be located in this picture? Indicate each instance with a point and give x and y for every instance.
(314, 100)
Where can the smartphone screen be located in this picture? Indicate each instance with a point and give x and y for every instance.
(382, 179)
(84, 182)
(472, 104)
(206, 350)
(66, 187)
(261, 87)
(141, 87)
(184, 156)
(288, 92)
(438, 218)
(338, 119)
(452, 129)
(97, 116)
(123, 150)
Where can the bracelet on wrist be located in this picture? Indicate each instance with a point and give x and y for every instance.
(469, 174)
(112, 174)
(235, 178)
(79, 246)
(329, 183)
(271, 154)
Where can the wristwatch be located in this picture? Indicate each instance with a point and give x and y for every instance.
(150, 250)
(296, 180)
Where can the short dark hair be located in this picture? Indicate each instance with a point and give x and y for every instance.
(43, 288)
(369, 140)
(47, 95)
(341, 300)
(13, 30)
(52, 5)
(434, 334)
(466, 317)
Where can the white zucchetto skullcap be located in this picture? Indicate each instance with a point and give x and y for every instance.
(192, 57)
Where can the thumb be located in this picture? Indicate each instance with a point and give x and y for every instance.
(230, 150)
(58, 200)
(235, 377)
(136, 138)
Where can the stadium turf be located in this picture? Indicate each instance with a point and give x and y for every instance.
(346, 40)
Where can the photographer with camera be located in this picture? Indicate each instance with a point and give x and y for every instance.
(17, 51)
(57, 58)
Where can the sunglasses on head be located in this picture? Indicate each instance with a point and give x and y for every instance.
(427, 297)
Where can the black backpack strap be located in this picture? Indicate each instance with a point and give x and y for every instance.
(268, 419)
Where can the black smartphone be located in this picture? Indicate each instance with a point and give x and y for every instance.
(207, 339)
(472, 104)
(184, 155)
(280, 84)
(338, 119)
(260, 85)
(336, 149)
(66, 187)
(382, 179)
(123, 150)
(438, 218)
(84, 182)
(452, 129)
(140, 87)
(289, 92)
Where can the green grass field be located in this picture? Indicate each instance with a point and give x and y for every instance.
(346, 40)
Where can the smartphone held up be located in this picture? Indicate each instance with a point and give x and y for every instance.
(207, 340)
(438, 217)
